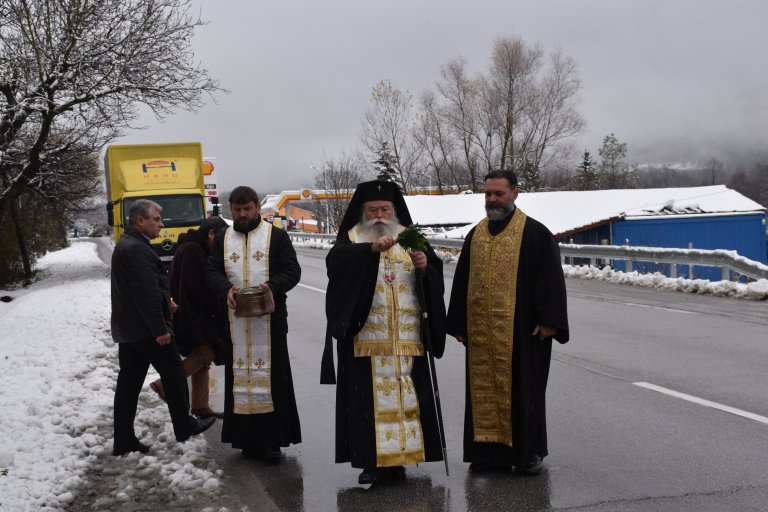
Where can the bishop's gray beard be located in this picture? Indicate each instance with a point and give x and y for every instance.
(499, 211)
(376, 228)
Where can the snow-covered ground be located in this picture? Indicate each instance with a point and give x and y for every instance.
(59, 367)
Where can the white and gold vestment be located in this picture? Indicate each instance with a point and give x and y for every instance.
(391, 337)
(246, 263)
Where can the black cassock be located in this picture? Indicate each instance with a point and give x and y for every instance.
(541, 300)
(352, 270)
(281, 427)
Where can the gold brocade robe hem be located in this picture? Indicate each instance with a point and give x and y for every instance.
(491, 301)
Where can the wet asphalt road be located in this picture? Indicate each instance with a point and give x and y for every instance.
(614, 445)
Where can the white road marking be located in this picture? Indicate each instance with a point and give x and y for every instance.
(701, 401)
(672, 310)
(312, 288)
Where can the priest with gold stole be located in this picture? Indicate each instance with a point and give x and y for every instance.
(507, 304)
(385, 408)
(260, 414)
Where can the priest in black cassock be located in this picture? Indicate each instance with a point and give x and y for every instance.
(260, 414)
(507, 304)
(385, 409)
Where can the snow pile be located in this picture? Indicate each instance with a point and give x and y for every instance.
(757, 290)
(312, 243)
(59, 368)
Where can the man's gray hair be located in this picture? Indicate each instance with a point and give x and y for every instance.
(143, 208)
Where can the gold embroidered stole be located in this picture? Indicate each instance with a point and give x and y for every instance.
(393, 325)
(491, 299)
(246, 262)
(391, 337)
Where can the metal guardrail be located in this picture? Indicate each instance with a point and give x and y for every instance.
(443, 243)
(728, 261)
(731, 264)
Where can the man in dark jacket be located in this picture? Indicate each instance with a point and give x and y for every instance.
(141, 313)
(260, 413)
(198, 320)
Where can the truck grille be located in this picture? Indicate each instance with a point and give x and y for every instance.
(165, 251)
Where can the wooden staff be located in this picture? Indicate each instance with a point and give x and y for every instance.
(432, 372)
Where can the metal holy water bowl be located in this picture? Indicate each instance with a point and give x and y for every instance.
(253, 301)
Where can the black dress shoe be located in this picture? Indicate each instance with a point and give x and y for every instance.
(531, 468)
(198, 426)
(272, 454)
(480, 467)
(206, 412)
(395, 473)
(253, 453)
(136, 447)
(485, 467)
(368, 476)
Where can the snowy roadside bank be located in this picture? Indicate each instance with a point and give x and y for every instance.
(59, 368)
(757, 290)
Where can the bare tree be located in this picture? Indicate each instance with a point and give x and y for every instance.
(39, 216)
(552, 112)
(716, 166)
(461, 117)
(512, 73)
(437, 145)
(76, 72)
(521, 114)
(390, 119)
(339, 178)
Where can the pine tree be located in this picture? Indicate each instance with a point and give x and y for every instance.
(614, 172)
(386, 165)
(587, 173)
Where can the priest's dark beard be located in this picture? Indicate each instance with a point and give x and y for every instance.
(376, 228)
(245, 227)
(499, 211)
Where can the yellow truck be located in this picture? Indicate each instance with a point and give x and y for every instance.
(169, 174)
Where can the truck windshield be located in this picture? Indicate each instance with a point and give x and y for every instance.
(178, 210)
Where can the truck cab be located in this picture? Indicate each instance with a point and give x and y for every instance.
(168, 174)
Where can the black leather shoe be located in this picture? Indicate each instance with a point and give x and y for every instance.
(533, 467)
(479, 467)
(136, 447)
(272, 454)
(368, 476)
(206, 412)
(198, 426)
(487, 467)
(253, 453)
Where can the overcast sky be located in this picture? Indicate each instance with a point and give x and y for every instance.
(677, 80)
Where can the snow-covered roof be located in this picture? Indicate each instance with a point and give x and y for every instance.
(570, 211)
(269, 202)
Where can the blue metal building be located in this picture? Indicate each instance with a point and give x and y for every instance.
(743, 233)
